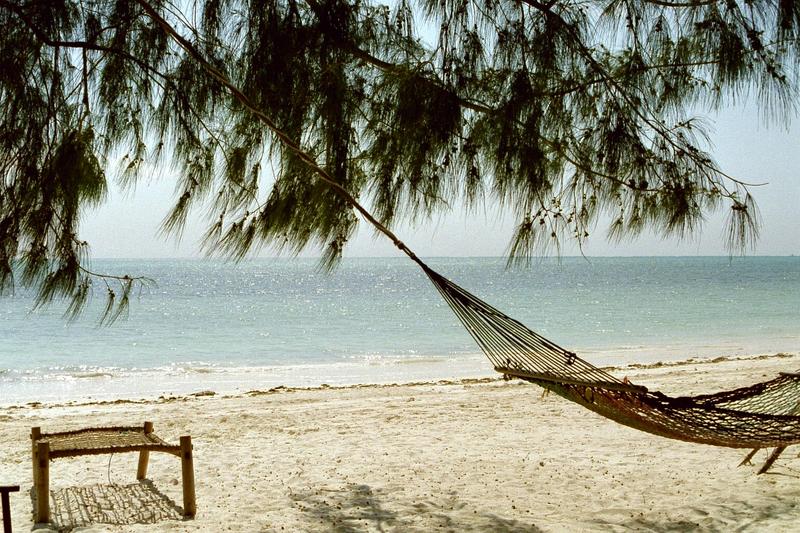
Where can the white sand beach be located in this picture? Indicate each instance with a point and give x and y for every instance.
(472, 455)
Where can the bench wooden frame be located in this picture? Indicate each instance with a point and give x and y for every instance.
(46, 447)
(7, 506)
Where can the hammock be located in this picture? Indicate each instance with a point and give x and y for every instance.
(762, 415)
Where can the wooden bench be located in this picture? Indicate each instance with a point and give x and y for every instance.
(94, 441)
(7, 506)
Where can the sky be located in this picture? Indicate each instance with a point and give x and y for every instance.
(127, 224)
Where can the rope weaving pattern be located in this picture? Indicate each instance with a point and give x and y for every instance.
(511, 346)
(104, 440)
(759, 416)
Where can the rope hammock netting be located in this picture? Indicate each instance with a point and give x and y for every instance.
(762, 415)
(758, 416)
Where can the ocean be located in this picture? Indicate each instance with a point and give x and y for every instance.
(235, 327)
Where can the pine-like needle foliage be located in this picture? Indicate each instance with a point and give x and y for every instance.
(566, 111)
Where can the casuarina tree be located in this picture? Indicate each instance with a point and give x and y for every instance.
(292, 120)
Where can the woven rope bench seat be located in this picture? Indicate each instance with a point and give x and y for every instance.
(95, 441)
(106, 440)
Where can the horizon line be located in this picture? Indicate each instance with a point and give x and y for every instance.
(532, 259)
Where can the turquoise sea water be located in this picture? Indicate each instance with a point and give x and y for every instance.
(262, 323)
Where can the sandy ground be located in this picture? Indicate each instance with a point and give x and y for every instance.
(481, 455)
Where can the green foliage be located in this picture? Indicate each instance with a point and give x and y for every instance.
(567, 112)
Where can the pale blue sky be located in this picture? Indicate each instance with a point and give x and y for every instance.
(126, 226)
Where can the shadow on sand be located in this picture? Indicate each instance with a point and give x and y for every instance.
(721, 517)
(135, 503)
(356, 508)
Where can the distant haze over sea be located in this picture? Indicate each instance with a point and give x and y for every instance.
(268, 322)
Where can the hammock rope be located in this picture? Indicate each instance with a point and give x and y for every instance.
(762, 415)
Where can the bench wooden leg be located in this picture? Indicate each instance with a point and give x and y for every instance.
(7, 506)
(36, 434)
(6, 513)
(187, 472)
(144, 455)
(43, 482)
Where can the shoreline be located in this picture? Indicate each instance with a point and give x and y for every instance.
(258, 326)
(450, 455)
(494, 377)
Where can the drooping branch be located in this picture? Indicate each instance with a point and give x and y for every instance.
(284, 138)
(533, 103)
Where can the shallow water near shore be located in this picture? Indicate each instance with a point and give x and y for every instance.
(213, 325)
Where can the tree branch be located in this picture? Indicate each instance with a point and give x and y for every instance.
(697, 3)
(282, 136)
(654, 124)
(83, 45)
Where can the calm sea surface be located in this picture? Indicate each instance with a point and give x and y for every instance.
(263, 323)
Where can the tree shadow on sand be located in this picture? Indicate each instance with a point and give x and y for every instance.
(135, 503)
(722, 517)
(356, 507)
